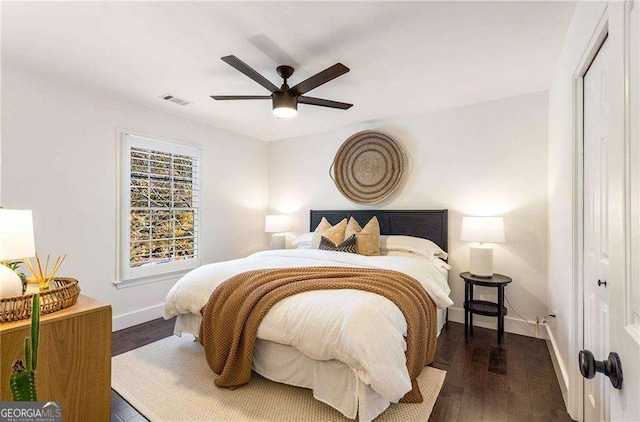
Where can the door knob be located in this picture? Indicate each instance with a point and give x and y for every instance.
(602, 283)
(612, 367)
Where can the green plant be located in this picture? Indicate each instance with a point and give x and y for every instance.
(23, 379)
(13, 266)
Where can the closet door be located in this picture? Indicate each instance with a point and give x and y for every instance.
(596, 238)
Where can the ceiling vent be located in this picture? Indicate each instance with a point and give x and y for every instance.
(176, 100)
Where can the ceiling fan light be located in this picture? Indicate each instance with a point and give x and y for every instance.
(285, 104)
(285, 112)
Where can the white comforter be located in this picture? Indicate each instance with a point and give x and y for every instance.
(361, 329)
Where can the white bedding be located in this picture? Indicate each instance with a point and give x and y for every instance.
(363, 330)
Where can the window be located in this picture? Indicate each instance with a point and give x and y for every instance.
(160, 207)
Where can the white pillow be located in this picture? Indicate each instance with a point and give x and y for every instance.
(412, 244)
(435, 260)
(408, 254)
(303, 241)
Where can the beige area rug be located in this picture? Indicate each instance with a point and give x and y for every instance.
(169, 380)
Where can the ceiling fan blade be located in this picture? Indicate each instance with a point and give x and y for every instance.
(324, 103)
(241, 97)
(320, 78)
(247, 70)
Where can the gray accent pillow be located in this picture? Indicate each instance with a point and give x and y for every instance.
(350, 245)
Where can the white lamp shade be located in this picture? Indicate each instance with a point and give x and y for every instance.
(276, 223)
(16, 235)
(482, 229)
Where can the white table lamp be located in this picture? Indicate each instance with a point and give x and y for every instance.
(16, 243)
(483, 230)
(279, 226)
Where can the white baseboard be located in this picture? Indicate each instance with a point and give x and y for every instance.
(511, 325)
(137, 317)
(558, 366)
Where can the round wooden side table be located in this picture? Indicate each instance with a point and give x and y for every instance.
(483, 307)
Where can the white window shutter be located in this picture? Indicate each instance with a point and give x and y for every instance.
(161, 207)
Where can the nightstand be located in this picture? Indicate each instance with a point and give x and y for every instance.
(74, 358)
(483, 307)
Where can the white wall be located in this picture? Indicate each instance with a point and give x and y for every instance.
(59, 159)
(485, 159)
(561, 179)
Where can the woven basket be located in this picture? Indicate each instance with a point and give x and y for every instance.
(368, 167)
(64, 294)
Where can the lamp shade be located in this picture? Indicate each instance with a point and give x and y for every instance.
(276, 223)
(16, 235)
(482, 229)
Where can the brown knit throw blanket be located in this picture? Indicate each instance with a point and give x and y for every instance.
(236, 308)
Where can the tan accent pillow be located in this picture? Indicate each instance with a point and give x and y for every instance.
(333, 233)
(368, 238)
(322, 226)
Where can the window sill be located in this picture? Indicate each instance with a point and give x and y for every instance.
(123, 284)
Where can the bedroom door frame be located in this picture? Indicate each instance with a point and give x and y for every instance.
(575, 396)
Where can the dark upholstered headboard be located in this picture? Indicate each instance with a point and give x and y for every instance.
(427, 224)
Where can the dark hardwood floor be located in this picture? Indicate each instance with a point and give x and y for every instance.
(514, 381)
(485, 382)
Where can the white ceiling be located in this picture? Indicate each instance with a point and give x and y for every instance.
(405, 58)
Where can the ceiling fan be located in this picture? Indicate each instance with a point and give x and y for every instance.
(285, 100)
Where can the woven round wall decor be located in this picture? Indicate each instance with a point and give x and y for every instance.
(368, 167)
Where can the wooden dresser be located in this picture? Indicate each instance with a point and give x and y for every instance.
(74, 359)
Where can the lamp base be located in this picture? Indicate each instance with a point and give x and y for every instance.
(10, 283)
(481, 261)
(279, 241)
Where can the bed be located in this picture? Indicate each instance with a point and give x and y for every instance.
(359, 383)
